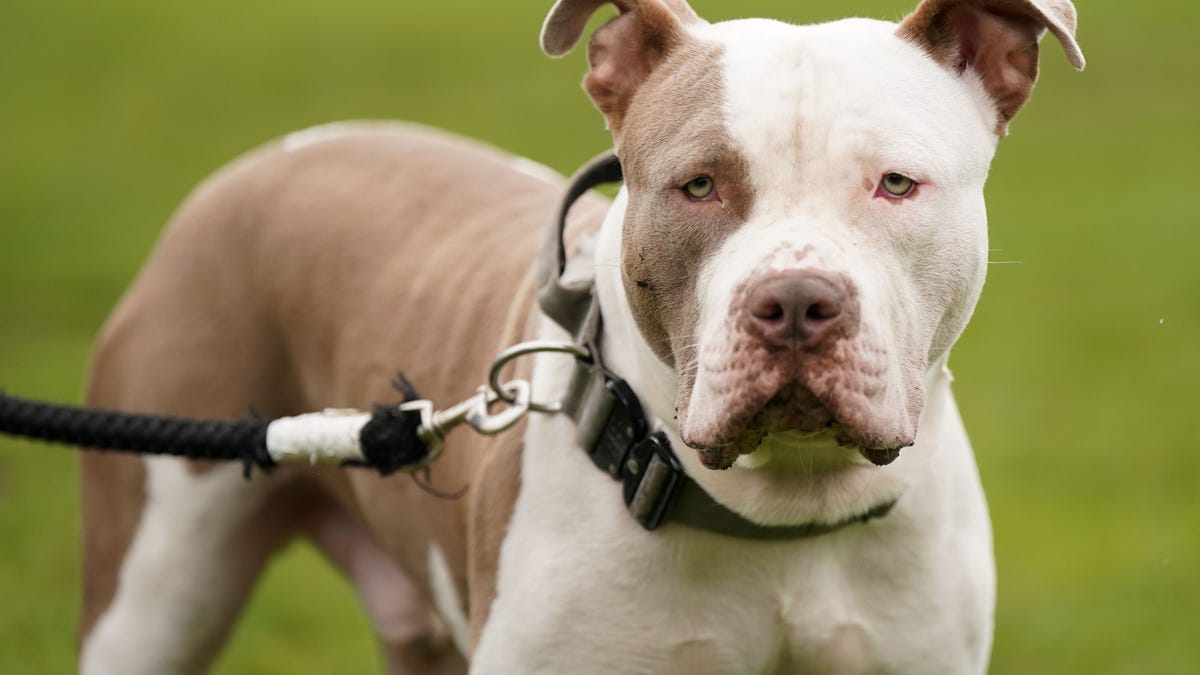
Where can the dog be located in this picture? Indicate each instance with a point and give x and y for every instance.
(800, 239)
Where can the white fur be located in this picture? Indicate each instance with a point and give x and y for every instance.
(446, 601)
(583, 589)
(168, 583)
(865, 103)
(324, 132)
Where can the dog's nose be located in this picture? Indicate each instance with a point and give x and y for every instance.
(796, 309)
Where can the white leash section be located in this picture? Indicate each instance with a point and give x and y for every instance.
(331, 435)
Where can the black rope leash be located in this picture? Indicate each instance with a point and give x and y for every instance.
(244, 440)
(389, 441)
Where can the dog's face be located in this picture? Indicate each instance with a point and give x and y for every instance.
(805, 231)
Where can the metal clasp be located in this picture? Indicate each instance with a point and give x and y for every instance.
(476, 411)
(525, 348)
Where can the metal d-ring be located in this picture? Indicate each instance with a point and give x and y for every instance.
(534, 347)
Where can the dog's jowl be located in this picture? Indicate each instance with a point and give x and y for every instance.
(800, 240)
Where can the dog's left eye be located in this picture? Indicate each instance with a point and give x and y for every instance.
(897, 185)
(700, 188)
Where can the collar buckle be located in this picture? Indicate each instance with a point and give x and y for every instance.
(651, 478)
(613, 427)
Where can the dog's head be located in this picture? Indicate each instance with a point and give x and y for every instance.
(805, 230)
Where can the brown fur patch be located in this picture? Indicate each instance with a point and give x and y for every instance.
(676, 133)
(623, 52)
(113, 489)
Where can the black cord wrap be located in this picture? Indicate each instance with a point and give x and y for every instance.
(244, 440)
(390, 441)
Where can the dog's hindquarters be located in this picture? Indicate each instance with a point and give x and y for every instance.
(171, 548)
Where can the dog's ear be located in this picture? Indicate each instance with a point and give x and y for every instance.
(997, 39)
(622, 52)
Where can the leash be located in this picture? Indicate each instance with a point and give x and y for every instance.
(611, 425)
(407, 437)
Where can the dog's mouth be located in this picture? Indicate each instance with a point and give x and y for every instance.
(848, 393)
(792, 410)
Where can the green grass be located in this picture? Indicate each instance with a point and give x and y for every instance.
(1076, 378)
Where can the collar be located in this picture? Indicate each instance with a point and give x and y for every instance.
(610, 423)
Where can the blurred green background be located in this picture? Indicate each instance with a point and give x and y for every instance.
(1076, 379)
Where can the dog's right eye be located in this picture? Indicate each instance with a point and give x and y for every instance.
(700, 188)
(897, 185)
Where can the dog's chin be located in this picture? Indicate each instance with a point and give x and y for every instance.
(880, 456)
(720, 458)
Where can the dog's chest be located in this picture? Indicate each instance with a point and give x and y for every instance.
(796, 609)
(695, 604)
(783, 626)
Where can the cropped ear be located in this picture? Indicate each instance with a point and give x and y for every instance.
(623, 52)
(997, 39)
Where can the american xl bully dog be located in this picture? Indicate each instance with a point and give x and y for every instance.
(800, 239)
